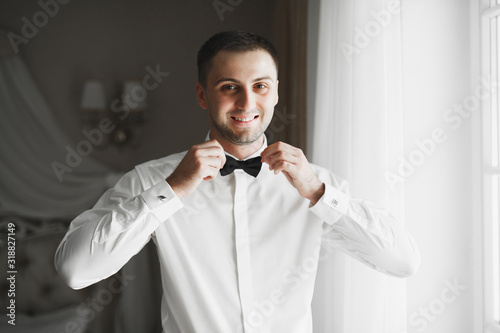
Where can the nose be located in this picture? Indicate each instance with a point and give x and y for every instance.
(246, 100)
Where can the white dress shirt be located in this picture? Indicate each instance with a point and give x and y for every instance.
(239, 254)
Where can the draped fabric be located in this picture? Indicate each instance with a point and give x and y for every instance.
(356, 129)
(30, 143)
(31, 146)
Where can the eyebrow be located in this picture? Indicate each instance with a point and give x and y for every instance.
(236, 81)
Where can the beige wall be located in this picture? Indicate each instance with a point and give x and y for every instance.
(117, 40)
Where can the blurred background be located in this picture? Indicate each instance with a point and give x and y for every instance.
(397, 97)
(117, 41)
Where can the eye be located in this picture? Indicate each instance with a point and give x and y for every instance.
(229, 87)
(261, 86)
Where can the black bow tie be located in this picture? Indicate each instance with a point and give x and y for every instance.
(251, 166)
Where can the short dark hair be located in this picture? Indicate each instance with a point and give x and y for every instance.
(237, 41)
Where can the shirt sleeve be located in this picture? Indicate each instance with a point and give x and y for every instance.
(367, 232)
(103, 239)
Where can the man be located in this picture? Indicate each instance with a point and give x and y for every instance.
(238, 248)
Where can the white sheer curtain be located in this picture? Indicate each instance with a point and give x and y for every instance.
(355, 129)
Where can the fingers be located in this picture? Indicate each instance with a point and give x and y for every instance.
(292, 162)
(277, 148)
(202, 162)
(217, 150)
(209, 148)
(210, 151)
(280, 160)
(210, 167)
(210, 143)
(282, 157)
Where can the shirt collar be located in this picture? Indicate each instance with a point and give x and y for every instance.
(257, 153)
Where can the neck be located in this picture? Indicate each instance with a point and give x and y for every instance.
(239, 151)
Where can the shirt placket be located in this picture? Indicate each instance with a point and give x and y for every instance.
(243, 256)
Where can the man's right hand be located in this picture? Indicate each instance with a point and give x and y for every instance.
(202, 162)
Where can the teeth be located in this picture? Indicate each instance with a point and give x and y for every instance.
(243, 119)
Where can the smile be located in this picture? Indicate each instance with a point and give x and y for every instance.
(245, 120)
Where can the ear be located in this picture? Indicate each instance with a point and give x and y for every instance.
(200, 96)
(277, 95)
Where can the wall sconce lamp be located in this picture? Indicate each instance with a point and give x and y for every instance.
(123, 117)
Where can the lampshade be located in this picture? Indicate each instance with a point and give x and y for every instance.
(134, 95)
(93, 96)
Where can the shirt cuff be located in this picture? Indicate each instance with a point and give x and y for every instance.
(332, 205)
(161, 200)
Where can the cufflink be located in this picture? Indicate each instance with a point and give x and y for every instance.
(161, 197)
(335, 202)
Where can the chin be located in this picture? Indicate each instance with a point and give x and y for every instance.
(243, 139)
(238, 136)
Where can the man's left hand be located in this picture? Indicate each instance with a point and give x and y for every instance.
(294, 165)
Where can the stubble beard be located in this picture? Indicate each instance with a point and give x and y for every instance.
(242, 139)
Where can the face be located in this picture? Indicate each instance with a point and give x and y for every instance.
(240, 95)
